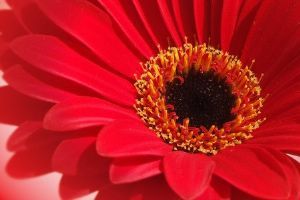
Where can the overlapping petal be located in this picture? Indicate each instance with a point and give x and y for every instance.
(16, 108)
(218, 189)
(53, 56)
(72, 187)
(68, 153)
(117, 11)
(122, 132)
(83, 112)
(22, 81)
(187, 174)
(134, 169)
(87, 25)
(21, 134)
(241, 166)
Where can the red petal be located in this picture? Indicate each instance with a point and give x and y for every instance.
(31, 162)
(218, 189)
(288, 144)
(19, 136)
(148, 189)
(167, 17)
(82, 112)
(53, 56)
(247, 8)
(133, 169)
(68, 153)
(230, 12)
(276, 128)
(262, 17)
(252, 170)
(288, 76)
(9, 25)
(129, 138)
(18, 7)
(199, 7)
(291, 171)
(16, 108)
(114, 8)
(72, 187)
(184, 17)
(287, 101)
(244, 24)
(153, 22)
(117, 193)
(264, 46)
(291, 115)
(156, 188)
(24, 82)
(86, 26)
(188, 175)
(215, 22)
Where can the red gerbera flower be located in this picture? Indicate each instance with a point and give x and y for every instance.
(187, 123)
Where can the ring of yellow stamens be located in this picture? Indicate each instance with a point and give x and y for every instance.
(175, 63)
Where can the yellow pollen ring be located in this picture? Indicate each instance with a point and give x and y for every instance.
(162, 119)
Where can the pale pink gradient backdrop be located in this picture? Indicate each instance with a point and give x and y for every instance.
(39, 188)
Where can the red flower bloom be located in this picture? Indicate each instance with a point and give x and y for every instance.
(70, 67)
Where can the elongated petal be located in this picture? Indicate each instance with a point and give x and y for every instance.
(184, 17)
(82, 112)
(229, 18)
(30, 162)
(68, 153)
(9, 25)
(288, 76)
(247, 8)
(134, 169)
(130, 138)
(92, 27)
(241, 166)
(167, 17)
(244, 24)
(264, 46)
(24, 82)
(18, 137)
(276, 128)
(16, 108)
(120, 16)
(188, 175)
(116, 192)
(199, 15)
(215, 22)
(53, 56)
(148, 189)
(218, 189)
(288, 144)
(153, 22)
(18, 7)
(291, 171)
(71, 187)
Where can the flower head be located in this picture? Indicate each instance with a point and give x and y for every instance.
(96, 100)
(199, 99)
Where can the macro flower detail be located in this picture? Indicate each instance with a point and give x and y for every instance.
(222, 97)
(113, 96)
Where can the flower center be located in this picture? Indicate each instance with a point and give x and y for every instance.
(198, 99)
(204, 97)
